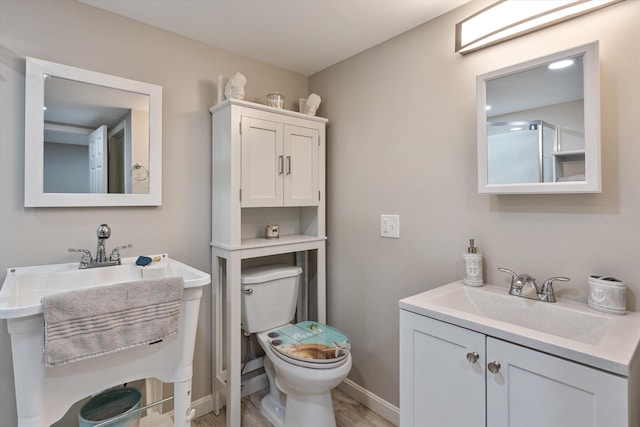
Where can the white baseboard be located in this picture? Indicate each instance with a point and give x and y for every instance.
(377, 404)
(203, 406)
(254, 384)
(386, 410)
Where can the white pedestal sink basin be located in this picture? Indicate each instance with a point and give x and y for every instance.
(568, 329)
(43, 395)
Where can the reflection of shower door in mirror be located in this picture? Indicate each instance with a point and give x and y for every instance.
(98, 160)
(116, 163)
(513, 156)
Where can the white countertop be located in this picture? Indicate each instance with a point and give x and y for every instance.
(568, 329)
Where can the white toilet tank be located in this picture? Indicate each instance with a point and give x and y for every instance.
(269, 296)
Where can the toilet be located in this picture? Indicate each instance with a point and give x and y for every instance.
(304, 361)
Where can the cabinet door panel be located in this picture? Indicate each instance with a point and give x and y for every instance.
(301, 147)
(535, 389)
(438, 385)
(262, 163)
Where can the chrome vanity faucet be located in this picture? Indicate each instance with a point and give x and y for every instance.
(522, 282)
(101, 260)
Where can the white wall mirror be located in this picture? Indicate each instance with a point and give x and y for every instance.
(91, 139)
(539, 125)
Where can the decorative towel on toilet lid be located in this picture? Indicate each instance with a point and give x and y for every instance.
(311, 342)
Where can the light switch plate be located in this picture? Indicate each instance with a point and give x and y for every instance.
(390, 226)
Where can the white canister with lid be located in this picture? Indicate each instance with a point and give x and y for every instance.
(607, 294)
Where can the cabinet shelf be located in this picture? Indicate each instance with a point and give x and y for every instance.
(569, 156)
(282, 240)
(260, 242)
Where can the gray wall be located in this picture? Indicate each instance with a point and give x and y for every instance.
(401, 141)
(72, 33)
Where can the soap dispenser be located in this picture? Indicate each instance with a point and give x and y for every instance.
(472, 266)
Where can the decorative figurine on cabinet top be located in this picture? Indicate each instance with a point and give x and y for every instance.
(235, 87)
(312, 104)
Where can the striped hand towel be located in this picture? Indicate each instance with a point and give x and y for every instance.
(93, 322)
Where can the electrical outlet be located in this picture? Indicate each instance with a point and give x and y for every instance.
(390, 226)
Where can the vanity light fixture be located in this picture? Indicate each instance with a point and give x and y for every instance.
(508, 19)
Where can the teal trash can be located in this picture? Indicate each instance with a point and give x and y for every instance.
(111, 403)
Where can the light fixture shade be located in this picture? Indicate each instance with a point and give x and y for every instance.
(508, 19)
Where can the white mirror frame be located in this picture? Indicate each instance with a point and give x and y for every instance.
(34, 195)
(591, 184)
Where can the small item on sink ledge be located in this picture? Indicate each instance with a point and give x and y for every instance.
(607, 294)
(472, 266)
(143, 260)
(152, 268)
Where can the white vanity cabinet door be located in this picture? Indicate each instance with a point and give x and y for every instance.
(439, 386)
(535, 389)
(279, 164)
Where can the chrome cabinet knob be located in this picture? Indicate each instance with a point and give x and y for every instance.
(494, 367)
(472, 357)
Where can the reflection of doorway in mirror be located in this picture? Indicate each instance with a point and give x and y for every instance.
(116, 162)
(98, 160)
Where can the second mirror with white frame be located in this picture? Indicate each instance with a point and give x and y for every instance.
(539, 125)
(91, 139)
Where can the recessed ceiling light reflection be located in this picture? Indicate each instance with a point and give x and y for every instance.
(561, 64)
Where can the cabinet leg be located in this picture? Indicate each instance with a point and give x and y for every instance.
(182, 411)
(232, 338)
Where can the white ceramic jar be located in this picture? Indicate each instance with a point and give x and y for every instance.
(607, 294)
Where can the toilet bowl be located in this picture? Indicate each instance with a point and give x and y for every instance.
(307, 401)
(303, 361)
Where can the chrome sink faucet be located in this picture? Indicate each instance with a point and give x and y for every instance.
(522, 285)
(101, 259)
(104, 232)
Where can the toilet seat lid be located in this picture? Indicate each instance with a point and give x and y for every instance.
(310, 342)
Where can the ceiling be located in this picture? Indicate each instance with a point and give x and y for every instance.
(304, 36)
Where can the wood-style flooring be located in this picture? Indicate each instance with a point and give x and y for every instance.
(349, 413)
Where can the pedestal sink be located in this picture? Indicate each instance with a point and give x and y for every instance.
(43, 395)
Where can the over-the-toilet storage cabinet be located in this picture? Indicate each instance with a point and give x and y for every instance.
(268, 167)
(445, 381)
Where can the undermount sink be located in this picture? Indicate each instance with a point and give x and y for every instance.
(562, 319)
(567, 329)
(24, 287)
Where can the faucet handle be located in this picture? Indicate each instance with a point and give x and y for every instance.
(513, 274)
(115, 252)
(87, 258)
(547, 293)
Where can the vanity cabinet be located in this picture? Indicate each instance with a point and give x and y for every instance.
(279, 164)
(268, 167)
(453, 376)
